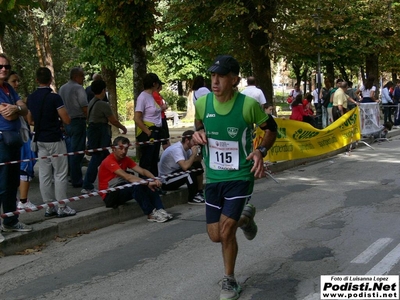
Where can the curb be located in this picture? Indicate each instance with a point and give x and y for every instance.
(83, 222)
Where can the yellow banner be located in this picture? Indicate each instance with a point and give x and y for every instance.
(298, 139)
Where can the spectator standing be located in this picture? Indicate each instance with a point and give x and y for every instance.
(45, 111)
(351, 92)
(89, 93)
(396, 100)
(224, 121)
(387, 102)
(339, 101)
(181, 157)
(161, 102)
(296, 91)
(330, 106)
(98, 132)
(75, 100)
(149, 124)
(113, 172)
(314, 95)
(199, 88)
(11, 107)
(26, 172)
(325, 99)
(254, 92)
(368, 90)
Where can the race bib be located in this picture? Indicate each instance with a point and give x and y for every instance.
(224, 155)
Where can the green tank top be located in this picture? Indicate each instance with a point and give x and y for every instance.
(229, 142)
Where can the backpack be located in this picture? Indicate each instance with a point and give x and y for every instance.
(326, 97)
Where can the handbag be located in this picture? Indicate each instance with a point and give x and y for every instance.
(12, 138)
(34, 146)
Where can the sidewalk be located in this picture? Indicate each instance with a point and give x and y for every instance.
(92, 214)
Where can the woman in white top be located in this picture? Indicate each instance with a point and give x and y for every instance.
(367, 91)
(199, 88)
(149, 124)
(387, 101)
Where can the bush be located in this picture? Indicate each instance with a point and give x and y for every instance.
(171, 98)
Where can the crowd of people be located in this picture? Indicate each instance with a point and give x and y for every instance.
(336, 101)
(75, 120)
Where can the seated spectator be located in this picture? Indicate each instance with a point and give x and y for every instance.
(298, 112)
(113, 171)
(307, 104)
(179, 157)
(98, 132)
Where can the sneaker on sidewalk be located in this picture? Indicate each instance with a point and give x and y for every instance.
(250, 230)
(27, 205)
(156, 216)
(198, 199)
(65, 211)
(230, 289)
(88, 191)
(165, 214)
(19, 227)
(50, 212)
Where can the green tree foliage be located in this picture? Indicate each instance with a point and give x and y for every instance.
(205, 29)
(353, 35)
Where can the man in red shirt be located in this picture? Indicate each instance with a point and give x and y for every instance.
(113, 172)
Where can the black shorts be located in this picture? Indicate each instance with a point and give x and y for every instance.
(165, 131)
(227, 198)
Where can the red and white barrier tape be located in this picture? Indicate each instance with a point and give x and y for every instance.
(86, 151)
(99, 193)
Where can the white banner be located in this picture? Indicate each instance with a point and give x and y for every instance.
(369, 118)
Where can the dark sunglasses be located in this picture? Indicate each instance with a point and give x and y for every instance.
(7, 67)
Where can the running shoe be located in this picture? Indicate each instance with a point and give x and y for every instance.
(249, 230)
(88, 191)
(19, 227)
(198, 199)
(65, 211)
(156, 216)
(230, 289)
(165, 214)
(27, 205)
(50, 212)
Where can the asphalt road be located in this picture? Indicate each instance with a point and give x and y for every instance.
(338, 216)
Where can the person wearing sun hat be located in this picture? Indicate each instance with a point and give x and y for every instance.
(224, 120)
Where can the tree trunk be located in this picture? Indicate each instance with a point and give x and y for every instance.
(48, 55)
(110, 78)
(330, 73)
(190, 108)
(139, 71)
(2, 32)
(180, 88)
(258, 41)
(35, 37)
(372, 67)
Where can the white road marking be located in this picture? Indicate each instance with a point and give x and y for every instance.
(387, 263)
(371, 251)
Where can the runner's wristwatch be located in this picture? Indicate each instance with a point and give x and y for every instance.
(263, 150)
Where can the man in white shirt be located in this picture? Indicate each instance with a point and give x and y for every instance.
(254, 92)
(179, 158)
